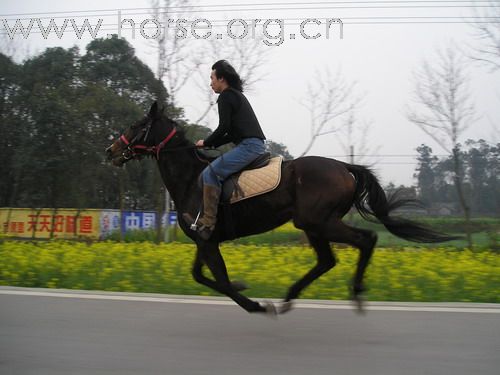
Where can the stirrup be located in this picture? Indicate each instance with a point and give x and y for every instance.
(203, 231)
(189, 219)
(194, 226)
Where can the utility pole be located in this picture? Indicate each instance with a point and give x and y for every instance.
(351, 161)
(167, 215)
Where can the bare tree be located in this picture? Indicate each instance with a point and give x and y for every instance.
(443, 109)
(175, 62)
(487, 32)
(328, 99)
(247, 56)
(355, 140)
(174, 68)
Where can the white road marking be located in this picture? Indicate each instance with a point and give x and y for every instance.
(333, 305)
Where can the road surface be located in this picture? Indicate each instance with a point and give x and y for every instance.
(46, 331)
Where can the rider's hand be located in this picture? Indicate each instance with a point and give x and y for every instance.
(200, 143)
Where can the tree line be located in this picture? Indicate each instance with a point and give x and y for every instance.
(60, 109)
(479, 168)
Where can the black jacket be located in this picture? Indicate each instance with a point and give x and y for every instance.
(237, 120)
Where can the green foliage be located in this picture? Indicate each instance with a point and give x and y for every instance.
(134, 236)
(59, 111)
(408, 274)
(479, 170)
(10, 128)
(111, 63)
(278, 149)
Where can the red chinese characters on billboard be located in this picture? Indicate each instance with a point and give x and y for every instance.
(49, 224)
(60, 224)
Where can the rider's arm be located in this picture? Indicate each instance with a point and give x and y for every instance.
(221, 135)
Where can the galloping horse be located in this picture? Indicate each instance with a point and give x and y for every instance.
(314, 192)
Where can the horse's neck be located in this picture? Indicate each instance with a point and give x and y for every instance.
(180, 170)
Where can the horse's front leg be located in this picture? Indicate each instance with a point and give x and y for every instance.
(202, 279)
(209, 253)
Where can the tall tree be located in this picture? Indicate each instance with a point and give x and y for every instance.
(247, 56)
(482, 163)
(49, 84)
(112, 63)
(487, 32)
(355, 139)
(53, 151)
(175, 61)
(425, 174)
(443, 109)
(329, 100)
(10, 130)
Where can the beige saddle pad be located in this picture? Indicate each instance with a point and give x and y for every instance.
(258, 181)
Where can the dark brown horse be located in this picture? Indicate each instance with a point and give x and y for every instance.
(314, 192)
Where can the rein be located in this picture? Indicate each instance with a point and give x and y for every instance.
(155, 150)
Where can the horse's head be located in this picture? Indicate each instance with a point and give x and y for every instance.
(147, 136)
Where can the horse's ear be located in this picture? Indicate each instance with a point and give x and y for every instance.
(153, 111)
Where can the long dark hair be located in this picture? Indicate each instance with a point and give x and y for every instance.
(225, 70)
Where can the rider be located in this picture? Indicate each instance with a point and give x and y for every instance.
(237, 124)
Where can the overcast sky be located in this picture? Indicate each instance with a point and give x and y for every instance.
(380, 58)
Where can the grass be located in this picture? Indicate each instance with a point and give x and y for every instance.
(486, 234)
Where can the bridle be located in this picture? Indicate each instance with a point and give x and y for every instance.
(130, 152)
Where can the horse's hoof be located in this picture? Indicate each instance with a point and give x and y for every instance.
(239, 286)
(270, 309)
(285, 307)
(359, 303)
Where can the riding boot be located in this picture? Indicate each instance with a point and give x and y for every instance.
(207, 222)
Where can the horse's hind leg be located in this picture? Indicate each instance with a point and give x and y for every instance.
(325, 262)
(364, 240)
(211, 256)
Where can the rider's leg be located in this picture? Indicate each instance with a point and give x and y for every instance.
(207, 221)
(234, 160)
(221, 168)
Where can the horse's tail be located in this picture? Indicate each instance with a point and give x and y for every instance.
(368, 191)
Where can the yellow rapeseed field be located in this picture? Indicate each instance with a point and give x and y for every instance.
(407, 274)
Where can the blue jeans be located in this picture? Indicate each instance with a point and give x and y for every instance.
(233, 161)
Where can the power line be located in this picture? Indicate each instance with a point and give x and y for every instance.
(463, 18)
(294, 6)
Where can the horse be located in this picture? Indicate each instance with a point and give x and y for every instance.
(315, 193)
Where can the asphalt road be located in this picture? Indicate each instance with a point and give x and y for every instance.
(66, 332)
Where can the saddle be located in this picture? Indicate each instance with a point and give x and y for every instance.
(259, 177)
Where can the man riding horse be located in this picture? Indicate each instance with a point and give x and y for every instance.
(237, 124)
(314, 193)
